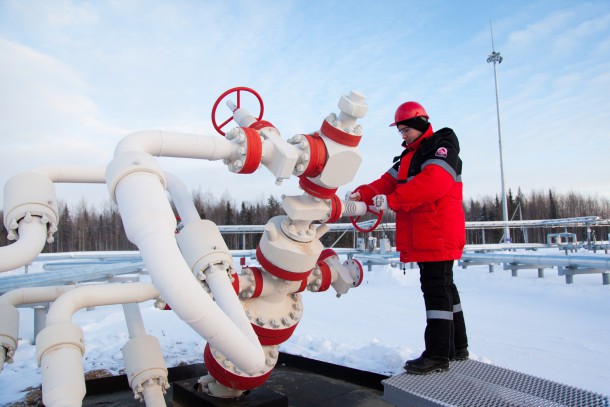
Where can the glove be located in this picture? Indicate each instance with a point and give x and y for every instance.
(353, 196)
(380, 204)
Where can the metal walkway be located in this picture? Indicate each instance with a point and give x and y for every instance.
(473, 384)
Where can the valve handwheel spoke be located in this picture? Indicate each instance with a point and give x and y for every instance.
(363, 230)
(237, 91)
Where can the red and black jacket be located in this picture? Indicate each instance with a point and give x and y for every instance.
(424, 188)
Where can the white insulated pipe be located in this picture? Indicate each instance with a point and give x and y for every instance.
(171, 144)
(32, 295)
(144, 364)
(228, 301)
(63, 381)
(60, 345)
(182, 198)
(74, 174)
(32, 238)
(153, 395)
(150, 224)
(9, 316)
(133, 318)
(353, 208)
(30, 207)
(65, 306)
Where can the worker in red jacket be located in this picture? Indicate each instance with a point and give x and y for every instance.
(424, 189)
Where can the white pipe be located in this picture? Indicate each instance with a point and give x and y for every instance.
(353, 208)
(32, 295)
(153, 395)
(224, 294)
(74, 174)
(182, 199)
(32, 238)
(63, 381)
(9, 316)
(150, 224)
(144, 362)
(60, 345)
(133, 318)
(93, 295)
(171, 144)
(34, 192)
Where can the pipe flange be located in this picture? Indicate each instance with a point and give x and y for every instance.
(274, 319)
(27, 195)
(304, 233)
(314, 189)
(336, 209)
(253, 286)
(339, 136)
(355, 270)
(144, 364)
(323, 278)
(250, 154)
(312, 157)
(284, 257)
(227, 374)
(278, 271)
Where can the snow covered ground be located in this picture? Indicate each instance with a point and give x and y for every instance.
(540, 326)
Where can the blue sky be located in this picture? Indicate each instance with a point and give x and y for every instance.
(76, 77)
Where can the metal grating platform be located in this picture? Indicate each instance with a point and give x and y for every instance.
(472, 383)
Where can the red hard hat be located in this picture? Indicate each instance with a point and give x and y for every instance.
(409, 110)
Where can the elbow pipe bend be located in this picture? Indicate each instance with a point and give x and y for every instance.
(32, 238)
(9, 315)
(30, 216)
(95, 295)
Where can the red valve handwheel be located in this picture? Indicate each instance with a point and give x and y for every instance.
(357, 218)
(379, 214)
(237, 90)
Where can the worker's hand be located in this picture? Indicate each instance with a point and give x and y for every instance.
(381, 203)
(353, 196)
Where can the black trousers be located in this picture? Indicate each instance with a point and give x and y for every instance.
(445, 326)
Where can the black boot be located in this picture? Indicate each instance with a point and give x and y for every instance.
(460, 354)
(427, 364)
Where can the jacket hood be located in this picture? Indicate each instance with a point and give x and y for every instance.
(443, 136)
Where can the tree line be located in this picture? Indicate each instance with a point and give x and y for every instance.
(83, 227)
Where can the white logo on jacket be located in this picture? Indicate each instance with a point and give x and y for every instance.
(441, 152)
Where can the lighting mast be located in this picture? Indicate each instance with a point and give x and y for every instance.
(495, 57)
